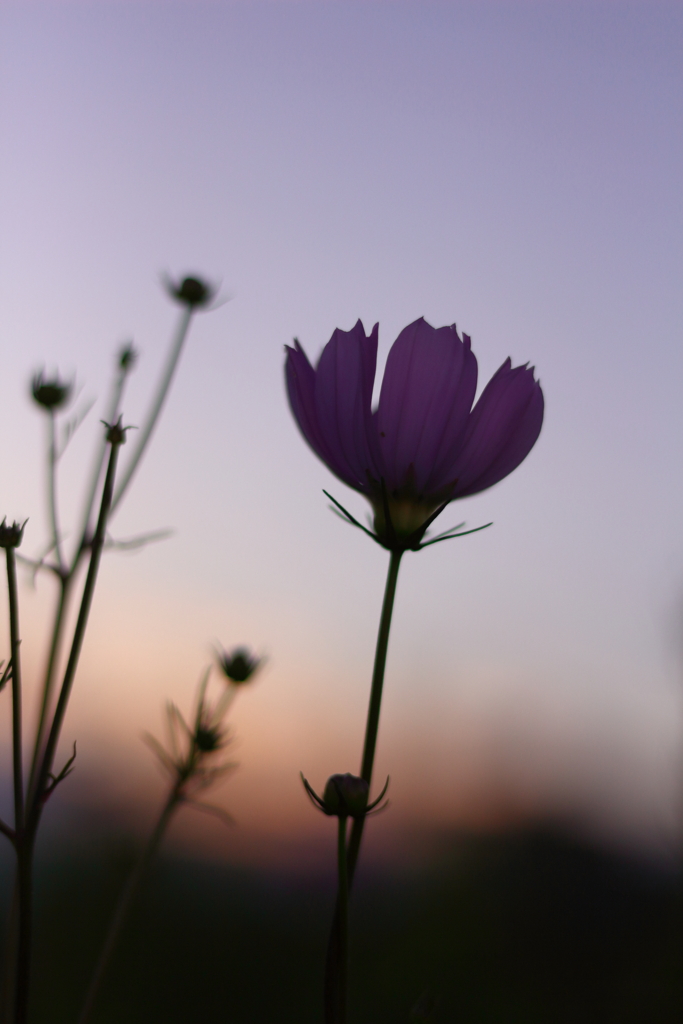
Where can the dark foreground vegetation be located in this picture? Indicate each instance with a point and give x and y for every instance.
(519, 929)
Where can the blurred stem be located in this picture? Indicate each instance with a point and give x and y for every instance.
(25, 923)
(343, 929)
(20, 920)
(332, 977)
(10, 958)
(67, 576)
(96, 547)
(127, 897)
(26, 841)
(15, 643)
(112, 415)
(64, 579)
(157, 403)
(48, 684)
(52, 487)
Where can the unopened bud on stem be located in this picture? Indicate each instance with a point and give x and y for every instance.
(11, 533)
(51, 394)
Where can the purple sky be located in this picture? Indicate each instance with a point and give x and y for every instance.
(513, 167)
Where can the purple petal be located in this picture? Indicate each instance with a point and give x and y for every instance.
(426, 397)
(332, 404)
(343, 397)
(300, 379)
(503, 428)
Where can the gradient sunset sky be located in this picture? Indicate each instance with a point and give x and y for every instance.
(513, 167)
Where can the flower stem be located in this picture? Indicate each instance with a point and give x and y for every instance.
(43, 773)
(32, 812)
(16, 690)
(48, 683)
(343, 929)
(126, 900)
(52, 488)
(24, 852)
(157, 403)
(333, 980)
(372, 725)
(111, 416)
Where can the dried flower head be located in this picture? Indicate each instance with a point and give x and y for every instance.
(50, 394)
(11, 534)
(238, 665)
(191, 291)
(116, 432)
(189, 756)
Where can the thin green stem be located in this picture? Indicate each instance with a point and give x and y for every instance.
(25, 927)
(126, 901)
(21, 921)
(111, 416)
(76, 645)
(66, 577)
(26, 842)
(157, 403)
(332, 978)
(343, 929)
(48, 683)
(378, 670)
(15, 643)
(9, 967)
(52, 488)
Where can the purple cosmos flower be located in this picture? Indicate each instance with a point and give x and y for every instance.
(424, 445)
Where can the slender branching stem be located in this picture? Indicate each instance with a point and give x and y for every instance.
(97, 545)
(332, 975)
(127, 898)
(111, 416)
(156, 406)
(66, 576)
(31, 815)
(22, 936)
(25, 926)
(52, 487)
(50, 673)
(6, 830)
(15, 642)
(26, 842)
(343, 930)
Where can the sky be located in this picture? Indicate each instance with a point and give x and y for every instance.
(513, 167)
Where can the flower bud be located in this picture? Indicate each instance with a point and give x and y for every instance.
(127, 356)
(207, 739)
(11, 535)
(346, 795)
(191, 292)
(116, 434)
(51, 394)
(238, 665)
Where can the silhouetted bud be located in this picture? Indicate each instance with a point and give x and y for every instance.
(207, 739)
(127, 357)
(239, 665)
(191, 292)
(116, 434)
(51, 394)
(11, 534)
(346, 795)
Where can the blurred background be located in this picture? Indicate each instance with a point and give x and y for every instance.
(513, 167)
